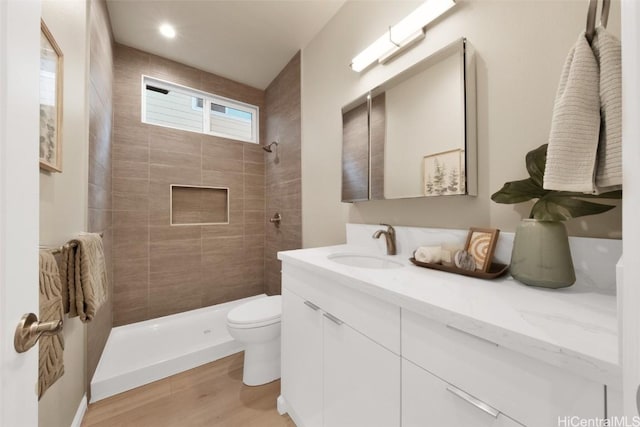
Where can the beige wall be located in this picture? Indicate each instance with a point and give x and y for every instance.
(520, 46)
(63, 196)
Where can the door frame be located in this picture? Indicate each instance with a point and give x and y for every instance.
(19, 201)
(629, 292)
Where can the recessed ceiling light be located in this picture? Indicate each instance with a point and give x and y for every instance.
(168, 31)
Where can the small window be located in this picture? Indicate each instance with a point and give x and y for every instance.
(179, 107)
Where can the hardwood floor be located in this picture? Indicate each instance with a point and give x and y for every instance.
(209, 395)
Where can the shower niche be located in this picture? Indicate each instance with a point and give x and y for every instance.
(199, 205)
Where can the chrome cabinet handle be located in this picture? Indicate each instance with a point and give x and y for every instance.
(333, 318)
(311, 305)
(472, 400)
(29, 330)
(472, 335)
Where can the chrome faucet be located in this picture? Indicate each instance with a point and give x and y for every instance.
(390, 237)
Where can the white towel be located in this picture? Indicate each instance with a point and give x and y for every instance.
(575, 125)
(428, 254)
(607, 51)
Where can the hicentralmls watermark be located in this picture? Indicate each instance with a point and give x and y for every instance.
(575, 421)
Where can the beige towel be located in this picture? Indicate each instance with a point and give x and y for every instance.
(607, 51)
(51, 348)
(575, 125)
(83, 269)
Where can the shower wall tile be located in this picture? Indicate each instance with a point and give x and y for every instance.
(254, 168)
(130, 202)
(130, 305)
(100, 212)
(253, 153)
(174, 141)
(162, 269)
(175, 159)
(165, 69)
(130, 152)
(254, 203)
(168, 233)
(131, 186)
(255, 229)
(128, 272)
(130, 169)
(283, 171)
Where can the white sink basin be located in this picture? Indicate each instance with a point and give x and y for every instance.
(364, 261)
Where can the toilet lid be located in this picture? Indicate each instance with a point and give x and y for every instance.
(257, 311)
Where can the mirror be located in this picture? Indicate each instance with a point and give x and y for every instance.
(414, 135)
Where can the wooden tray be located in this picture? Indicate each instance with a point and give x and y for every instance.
(496, 270)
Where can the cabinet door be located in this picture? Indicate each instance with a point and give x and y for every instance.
(302, 359)
(361, 379)
(429, 401)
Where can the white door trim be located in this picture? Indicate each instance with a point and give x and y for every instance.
(19, 135)
(630, 289)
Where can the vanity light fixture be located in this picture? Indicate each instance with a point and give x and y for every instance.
(401, 36)
(167, 30)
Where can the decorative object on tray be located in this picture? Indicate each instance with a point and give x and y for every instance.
(541, 254)
(496, 270)
(474, 260)
(448, 251)
(464, 261)
(50, 102)
(428, 254)
(481, 243)
(443, 173)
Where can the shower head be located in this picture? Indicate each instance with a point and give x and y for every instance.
(268, 148)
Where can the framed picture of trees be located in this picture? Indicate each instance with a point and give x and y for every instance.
(444, 173)
(50, 102)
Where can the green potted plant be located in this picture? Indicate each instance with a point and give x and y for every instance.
(541, 255)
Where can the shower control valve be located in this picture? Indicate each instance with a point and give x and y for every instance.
(275, 219)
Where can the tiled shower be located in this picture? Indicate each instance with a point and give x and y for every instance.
(160, 269)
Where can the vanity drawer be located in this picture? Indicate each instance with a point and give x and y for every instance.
(530, 391)
(374, 318)
(427, 400)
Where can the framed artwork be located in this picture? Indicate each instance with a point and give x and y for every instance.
(50, 102)
(443, 173)
(481, 242)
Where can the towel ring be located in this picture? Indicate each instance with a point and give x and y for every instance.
(604, 15)
(591, 17)
(591, 20)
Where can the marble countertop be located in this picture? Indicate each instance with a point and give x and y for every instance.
(573, 328)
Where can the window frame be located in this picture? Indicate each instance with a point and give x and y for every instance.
(208, 99)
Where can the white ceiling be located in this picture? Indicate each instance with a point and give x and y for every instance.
(248, 41)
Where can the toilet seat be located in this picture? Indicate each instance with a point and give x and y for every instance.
(255, 314)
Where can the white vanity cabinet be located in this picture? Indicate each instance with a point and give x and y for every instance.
(333, 374)
(429, 401)
(487, 379)
(356, 354)
(302, 359)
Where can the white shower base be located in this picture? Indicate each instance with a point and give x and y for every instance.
(144, 352)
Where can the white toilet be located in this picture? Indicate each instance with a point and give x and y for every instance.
(256, 324)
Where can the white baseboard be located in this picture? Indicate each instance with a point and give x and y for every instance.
(281, 405)
(82, 408)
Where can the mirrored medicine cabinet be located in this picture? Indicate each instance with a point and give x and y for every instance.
(415, 134)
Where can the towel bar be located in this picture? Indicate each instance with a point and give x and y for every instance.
(61, 248)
